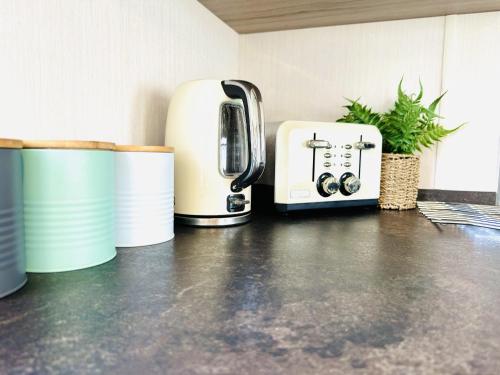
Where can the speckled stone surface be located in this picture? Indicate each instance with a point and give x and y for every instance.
(361, 291)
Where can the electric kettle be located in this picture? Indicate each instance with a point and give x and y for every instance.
(217, 130)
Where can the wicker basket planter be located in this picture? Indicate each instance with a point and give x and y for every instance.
(399, 181)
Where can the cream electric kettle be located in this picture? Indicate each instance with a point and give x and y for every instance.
(217, 130)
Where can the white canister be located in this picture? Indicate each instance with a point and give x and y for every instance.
(144, 195)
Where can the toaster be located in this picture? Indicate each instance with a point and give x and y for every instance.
(325, 165)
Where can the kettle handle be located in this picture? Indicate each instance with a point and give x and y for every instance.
(254, 118)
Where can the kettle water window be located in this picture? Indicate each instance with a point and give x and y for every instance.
(233, 147)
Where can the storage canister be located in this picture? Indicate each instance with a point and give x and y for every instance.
(144, 195)
(12, 259)
(68, 204)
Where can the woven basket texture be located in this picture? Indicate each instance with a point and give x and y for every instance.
(399, 181)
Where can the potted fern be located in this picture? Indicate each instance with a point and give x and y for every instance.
(406, 129)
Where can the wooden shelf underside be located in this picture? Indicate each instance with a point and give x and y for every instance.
(255, 16)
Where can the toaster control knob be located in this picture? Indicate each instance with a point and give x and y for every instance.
(349, 184)
(327, 185)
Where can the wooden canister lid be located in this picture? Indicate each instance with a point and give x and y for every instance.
(74, 145)
(10, 143)
(134, 148)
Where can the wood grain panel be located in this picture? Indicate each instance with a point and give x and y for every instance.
(73, 145)
(270, 15)
(10, 143)
(136, 148)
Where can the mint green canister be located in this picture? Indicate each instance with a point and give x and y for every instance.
(68, 204)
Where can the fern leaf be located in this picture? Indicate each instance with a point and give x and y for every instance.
(421, 93)
(434, 104)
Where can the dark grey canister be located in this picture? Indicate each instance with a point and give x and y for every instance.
(12, 257)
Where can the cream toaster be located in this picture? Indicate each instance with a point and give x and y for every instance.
(324, 165)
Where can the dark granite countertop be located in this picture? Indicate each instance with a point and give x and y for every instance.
(350, 291)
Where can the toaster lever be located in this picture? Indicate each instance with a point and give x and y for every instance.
(364, 145)
(318, 143)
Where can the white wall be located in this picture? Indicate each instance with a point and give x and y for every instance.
(103, 69)
(305, 74)
(471, 74)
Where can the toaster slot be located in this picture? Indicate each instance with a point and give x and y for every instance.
(314, 160)
(360, 153)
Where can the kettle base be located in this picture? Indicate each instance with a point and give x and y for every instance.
(204, 221)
